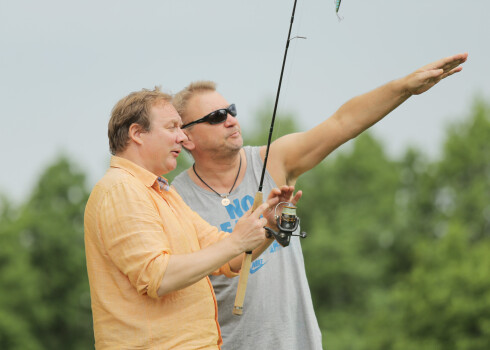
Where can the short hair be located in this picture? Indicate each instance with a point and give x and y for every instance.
(182, 98)
(134, 108)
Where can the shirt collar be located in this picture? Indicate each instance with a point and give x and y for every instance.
(145, 176)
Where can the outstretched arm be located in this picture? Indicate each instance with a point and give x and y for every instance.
(294, 154)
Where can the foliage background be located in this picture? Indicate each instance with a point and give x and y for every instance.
(397, 256)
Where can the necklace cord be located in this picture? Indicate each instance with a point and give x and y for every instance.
(212, 189)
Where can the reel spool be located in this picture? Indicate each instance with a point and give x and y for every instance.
(287, 223)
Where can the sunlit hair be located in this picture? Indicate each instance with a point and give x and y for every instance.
(182, 98)
(134, 108)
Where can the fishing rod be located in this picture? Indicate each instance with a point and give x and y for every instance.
(286, 221)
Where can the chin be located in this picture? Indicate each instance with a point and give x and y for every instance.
(171, 167)
(166, 168)
(238, 144)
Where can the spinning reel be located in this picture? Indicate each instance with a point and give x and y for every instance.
(287, 223)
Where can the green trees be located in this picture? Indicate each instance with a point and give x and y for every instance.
(349, 209)
(398, 250)
(442, 302)
(44, 293)
(397, 256)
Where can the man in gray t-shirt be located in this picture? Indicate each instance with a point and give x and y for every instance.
(278, 313)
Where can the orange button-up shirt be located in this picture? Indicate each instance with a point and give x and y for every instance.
(131, 229)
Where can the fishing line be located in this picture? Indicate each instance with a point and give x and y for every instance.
(300, 13)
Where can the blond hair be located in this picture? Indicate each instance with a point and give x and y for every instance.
(182, 98)
(134, 108)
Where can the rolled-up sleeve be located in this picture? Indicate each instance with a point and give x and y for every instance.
(225, 270)
(133, 236)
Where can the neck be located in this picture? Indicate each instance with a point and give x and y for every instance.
(219, 172)
(132, 154)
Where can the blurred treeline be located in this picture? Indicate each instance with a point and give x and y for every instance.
(398, 253)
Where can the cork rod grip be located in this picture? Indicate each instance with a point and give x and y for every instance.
(245, 270)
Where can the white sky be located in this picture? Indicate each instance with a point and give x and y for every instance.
(63, 65)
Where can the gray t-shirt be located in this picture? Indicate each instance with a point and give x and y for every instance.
(277, 312)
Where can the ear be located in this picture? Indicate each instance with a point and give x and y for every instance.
(188, 144)
(135, 133)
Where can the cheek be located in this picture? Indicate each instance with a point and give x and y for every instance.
(167, 139)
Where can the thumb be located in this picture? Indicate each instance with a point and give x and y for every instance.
(433, 73)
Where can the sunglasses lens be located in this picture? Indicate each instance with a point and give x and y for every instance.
(232, 110)
(218, 116)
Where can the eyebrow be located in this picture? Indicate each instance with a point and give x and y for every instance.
(174, 120)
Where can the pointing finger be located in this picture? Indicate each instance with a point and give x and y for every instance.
(260, 210)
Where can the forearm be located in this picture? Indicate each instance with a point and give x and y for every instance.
(365, 110)
(361, 112)
(303, 151)
(184, 270)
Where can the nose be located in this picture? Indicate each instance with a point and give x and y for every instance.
(181, 136)
(230, 120)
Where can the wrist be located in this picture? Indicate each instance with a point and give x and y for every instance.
(234, 245)
(402, 87)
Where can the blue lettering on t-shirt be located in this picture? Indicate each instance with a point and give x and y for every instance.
(246, 205)
(274, 246)
(234, 209)
(257, 265)
(226, 226)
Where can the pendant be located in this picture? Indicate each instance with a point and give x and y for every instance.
(225, 202)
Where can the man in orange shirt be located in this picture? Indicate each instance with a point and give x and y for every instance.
(148, 254)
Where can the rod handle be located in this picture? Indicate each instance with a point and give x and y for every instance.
(245, 270)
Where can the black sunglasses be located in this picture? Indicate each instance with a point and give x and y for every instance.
(215, 117)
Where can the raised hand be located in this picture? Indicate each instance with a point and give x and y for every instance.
(426, 77)
(276, 196)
